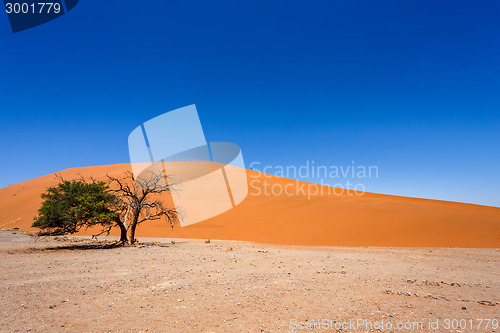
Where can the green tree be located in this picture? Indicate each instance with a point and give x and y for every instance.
(76, 204)
(72, 205)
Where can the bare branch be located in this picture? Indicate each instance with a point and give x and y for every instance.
(106, 230)
(141, 200)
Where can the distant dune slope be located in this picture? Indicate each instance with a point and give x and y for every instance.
(346, 220)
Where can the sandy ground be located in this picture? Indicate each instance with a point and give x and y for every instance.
(227, 286)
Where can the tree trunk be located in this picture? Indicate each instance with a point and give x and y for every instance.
(131, 236)
(123, 231)
(132, 226)
(123, 234)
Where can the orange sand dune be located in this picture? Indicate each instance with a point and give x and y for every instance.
(324, 219)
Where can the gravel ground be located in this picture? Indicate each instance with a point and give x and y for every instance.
(165, 285)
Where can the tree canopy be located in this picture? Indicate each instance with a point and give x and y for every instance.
(71, 205)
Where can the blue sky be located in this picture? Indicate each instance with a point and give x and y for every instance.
(409, 86)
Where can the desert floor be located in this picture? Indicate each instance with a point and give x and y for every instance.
(183, 285)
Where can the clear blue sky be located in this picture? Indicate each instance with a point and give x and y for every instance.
(410, 86)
